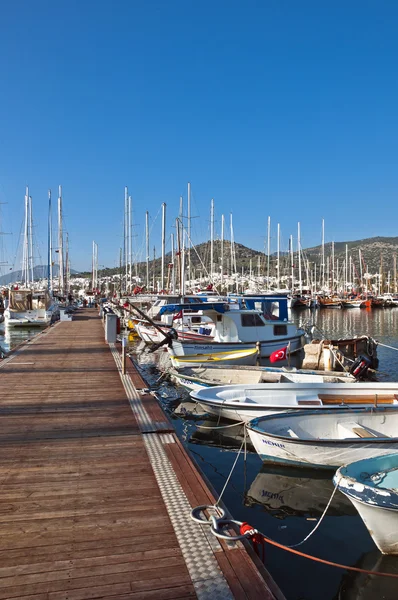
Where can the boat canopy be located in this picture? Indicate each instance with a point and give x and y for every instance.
(219, 307)
(267, 305)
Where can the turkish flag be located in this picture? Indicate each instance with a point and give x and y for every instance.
(177, 315)
(278, 355)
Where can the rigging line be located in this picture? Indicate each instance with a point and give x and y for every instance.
(386, 346)
(200, 260)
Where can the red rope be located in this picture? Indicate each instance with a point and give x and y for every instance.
(258, 539)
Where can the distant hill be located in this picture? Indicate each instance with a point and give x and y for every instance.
(39, 272)
(375, 251)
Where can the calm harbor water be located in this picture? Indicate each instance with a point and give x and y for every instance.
(10, 338)
(285, 503)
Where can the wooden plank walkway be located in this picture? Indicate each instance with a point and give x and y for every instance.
(81, 513)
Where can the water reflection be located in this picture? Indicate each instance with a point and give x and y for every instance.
(227, 438)
(359, 586)
(284, 492)
(12, 337)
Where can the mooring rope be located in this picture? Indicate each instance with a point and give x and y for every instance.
(217, 524)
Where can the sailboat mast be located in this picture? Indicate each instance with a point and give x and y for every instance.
(346, 268)
(292, 262)
(126, 235)
(277, 256)
(182, 242)
(189, 232)
(130, 244)
(147, 248)
(25, 256)
(222, 249)
(323, 254)
(163, 244)
(66, 263)
(31, 240)
(93, 282)
(60, 243)
(173, 270)
(211, 239)
(332, 286)
(268, 250)
(299, 257)
(50, 246)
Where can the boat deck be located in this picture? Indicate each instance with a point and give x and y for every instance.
(95, 486)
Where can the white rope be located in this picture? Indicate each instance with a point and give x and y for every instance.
(320, 519)
(233, 467)
(222, 426)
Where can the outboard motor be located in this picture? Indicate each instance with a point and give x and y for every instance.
(360, 367)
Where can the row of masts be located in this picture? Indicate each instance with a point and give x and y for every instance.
(326, 276)
(62, 251)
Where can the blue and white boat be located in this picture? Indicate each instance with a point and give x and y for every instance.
(238, 327)
(372, 486)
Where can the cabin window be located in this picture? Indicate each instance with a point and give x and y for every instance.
(280, 329)
(196, 319)
(251, 320)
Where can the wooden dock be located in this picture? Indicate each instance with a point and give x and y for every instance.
(95, 486)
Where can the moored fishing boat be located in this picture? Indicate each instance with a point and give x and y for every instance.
(327, 439)
(329, 302)
(208, 375)
(243, 356)
(372, 486)
(241, 328)
(352, 303)
(248, 401)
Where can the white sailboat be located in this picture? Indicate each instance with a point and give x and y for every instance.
(28, 307)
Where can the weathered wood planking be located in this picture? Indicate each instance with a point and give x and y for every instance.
(81, 515)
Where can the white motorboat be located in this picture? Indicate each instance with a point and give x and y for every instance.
(244, 402)
(372, 486)
(325, 439)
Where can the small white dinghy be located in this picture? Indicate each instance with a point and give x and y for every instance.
(325, 439)
(245, 402)
(372, 486)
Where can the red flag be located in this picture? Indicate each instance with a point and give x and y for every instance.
(278, 355)
(177, 315)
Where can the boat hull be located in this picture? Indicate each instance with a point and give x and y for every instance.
(266, 348)
(325, 440)
(372, 487)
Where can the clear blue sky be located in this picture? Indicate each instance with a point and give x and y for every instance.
(272, 107)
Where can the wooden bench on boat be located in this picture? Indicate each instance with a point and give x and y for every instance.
(361, 431)
(350, 399)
